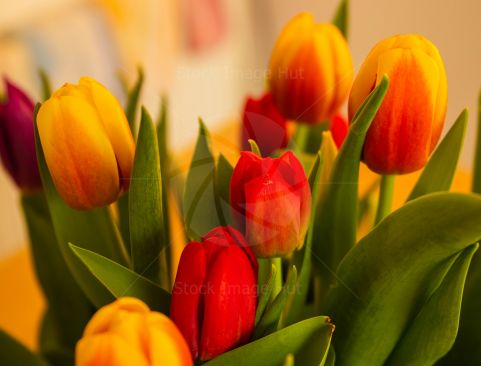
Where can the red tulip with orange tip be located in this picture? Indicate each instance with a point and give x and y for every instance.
(214, 297)
(310, 71)
(127, 333)
(87, 143)
(271, 202)
(263, 123)
(409, 123)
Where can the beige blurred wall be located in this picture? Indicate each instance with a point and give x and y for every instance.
(74, 37)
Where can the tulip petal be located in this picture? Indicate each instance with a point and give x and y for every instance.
(399, 140)
(78, 152)
(230, 303)
(187, 294)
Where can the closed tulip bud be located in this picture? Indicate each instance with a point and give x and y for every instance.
(17, 140)
(271, 202)
(339, 128)
(215, 293)
(408, 125)
(310, 70)
(87, 143)
(263, 123)
(127, 333)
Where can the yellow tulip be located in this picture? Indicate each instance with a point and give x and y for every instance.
(409, 123)
(127, 333)
(310, 71)
(87, 144)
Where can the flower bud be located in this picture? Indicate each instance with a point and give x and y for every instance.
(215, 293)
(409, 123)
(310, 70)
(127, 333)
(17, 140)
(263, 123)
(87, 144)
(271, 202)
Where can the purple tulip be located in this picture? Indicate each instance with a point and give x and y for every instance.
(17, 140)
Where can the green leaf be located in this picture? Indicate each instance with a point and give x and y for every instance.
(200, 208)
(69, 307)
(13, 353)
(477, 156)
(341, 19)
(308, 138)
(93, 229)
(387, 277)
(289, 360)
(439, 171)
(45, 83)
(223, 175)
(265, 291)
(337, 223)
(432, 333)
(121, 281)
(133, 101)
(145, 207)
(308, 341)
(271, 320)
(254, 147)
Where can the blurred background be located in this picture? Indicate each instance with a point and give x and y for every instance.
(207, 55)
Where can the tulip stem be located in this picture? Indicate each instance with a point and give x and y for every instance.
(277, 287)
(385, 197)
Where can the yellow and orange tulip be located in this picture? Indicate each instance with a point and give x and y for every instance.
(409, 123)
(310, 71)
(127, 333)
(87, 143)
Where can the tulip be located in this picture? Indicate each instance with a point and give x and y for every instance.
(87, 143)
(339, 128)
(127, 333)
(408, 125)
(17, 140)
(215, 293)
(263, 123)
(310, 71)
(271, 202)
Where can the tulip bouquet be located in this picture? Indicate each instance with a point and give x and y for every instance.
(282, 261)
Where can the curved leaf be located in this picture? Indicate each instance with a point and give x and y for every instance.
(308, 341)
(383, 281)
(341, 19)
(14, 353)
(121, 281)
(439, 171)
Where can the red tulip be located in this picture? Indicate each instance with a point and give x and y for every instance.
(17, 141)
(339, 129)
(263, 123)
(271, 202)
(215, 293)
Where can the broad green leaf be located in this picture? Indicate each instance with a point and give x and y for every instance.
(337, 223)
(307, 340)
(270, 321)
(341, 19)
(433, 330)
(93, 229)
(13, 353)
(223, 174)
(294, 310)
(439, 171)
(69, 307)
(145, 207)
(477, 156)
(200, 209)
(121, 281)
(385, 279)
(265, 291)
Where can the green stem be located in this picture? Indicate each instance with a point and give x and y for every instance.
(385, 197)
(277, 287)
(477, 158)
(308, 138)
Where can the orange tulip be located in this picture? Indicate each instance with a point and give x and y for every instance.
(408, 125)
(127, 333)
(87, 143)
(310, 71)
